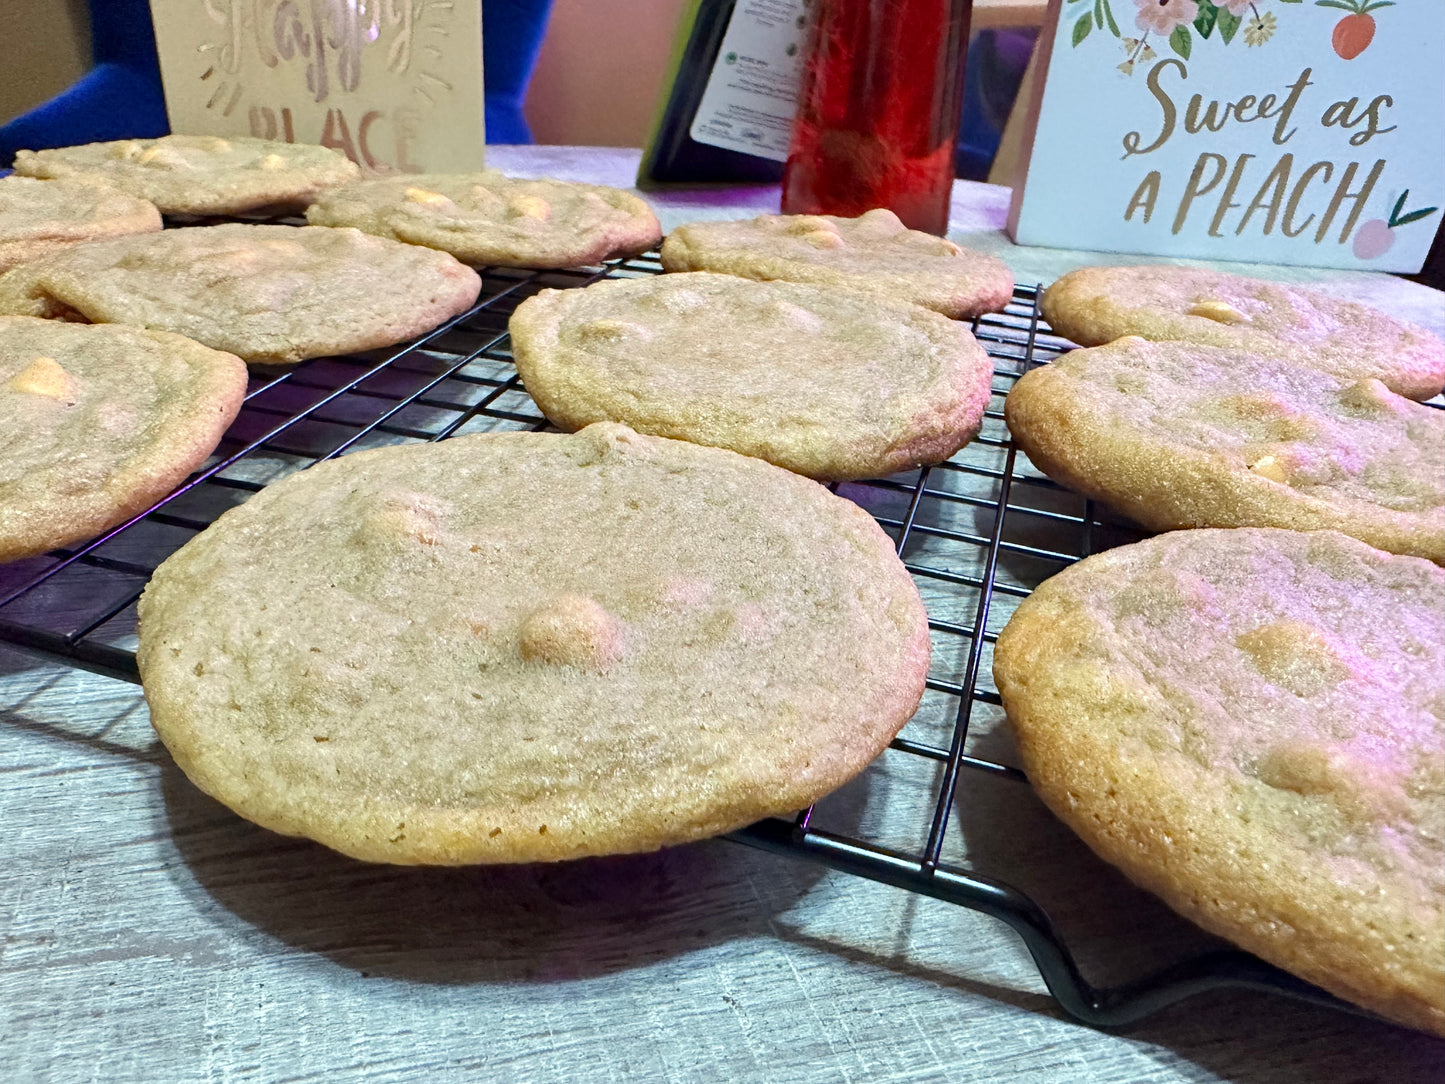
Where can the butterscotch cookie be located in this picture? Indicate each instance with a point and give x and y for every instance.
(516, 647)
(200, 175)
(1096, 305)
(489, 218)
(98, 423)
(818, 380)
(874, 253)
(1251, 724)
(1175, 434)
(40, 217)
(270, 294)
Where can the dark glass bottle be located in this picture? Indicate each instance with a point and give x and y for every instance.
(672, 155)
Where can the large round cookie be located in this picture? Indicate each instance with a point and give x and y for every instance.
(526, 646)
(1096, 305)
(98, 423)
(489, 218)
(270, 294)
(822, 381)
(200, 175)
(874, 253)
(1251, 723)
(1175, 434)
(39, 217)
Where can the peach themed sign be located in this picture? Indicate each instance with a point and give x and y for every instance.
(395, 84)
(1275, 131)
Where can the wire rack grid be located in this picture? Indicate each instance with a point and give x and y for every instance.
(977, 533)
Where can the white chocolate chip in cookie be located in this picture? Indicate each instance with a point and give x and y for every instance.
(427, 198)
(1371, 397)
(607, 330)
(1369, 788)
(785, 312)
(127, 150)
(482, 196)
(1270, 467)
(403, 519)
(1273, 414)
(1221, 312)
(236, 261)
(219, 145)
(571, 630)
(928, 243)
(1294, 655)
(824, 239)
(45, 377)
(293, 249)
(678, 301)
(806, 224)
(881, 219)
(270, 162)
(524, 206)
(161, 158)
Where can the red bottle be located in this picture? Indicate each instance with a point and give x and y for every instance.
(878, 111)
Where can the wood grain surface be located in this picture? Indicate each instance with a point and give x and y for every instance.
(150, 935)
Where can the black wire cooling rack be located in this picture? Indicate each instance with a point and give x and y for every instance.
(978, 533)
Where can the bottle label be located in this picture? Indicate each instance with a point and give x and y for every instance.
(752, 91)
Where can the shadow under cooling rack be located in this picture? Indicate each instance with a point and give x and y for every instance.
(978, 533)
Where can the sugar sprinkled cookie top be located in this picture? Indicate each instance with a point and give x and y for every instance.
(489, 218)
(97, 423)
(874, 253)
(270, 294)
(1096, 305)
(816, 379)
(1177, 434)
(525, 646)
(40, 217)
(1251, 724)
(200, 175)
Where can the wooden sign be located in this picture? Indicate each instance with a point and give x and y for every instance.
(394, 84)
(1273, 131)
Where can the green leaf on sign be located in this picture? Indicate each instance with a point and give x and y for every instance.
(1397, 219)
(1180, 41)
(1228, 24)
(1082, 27)
(1415, 216)
(1108, 14)
(1204, 21)
(1399, 206)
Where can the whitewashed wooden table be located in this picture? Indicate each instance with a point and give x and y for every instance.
(150, 935)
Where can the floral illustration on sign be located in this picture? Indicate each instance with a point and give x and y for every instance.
(1182, 22)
